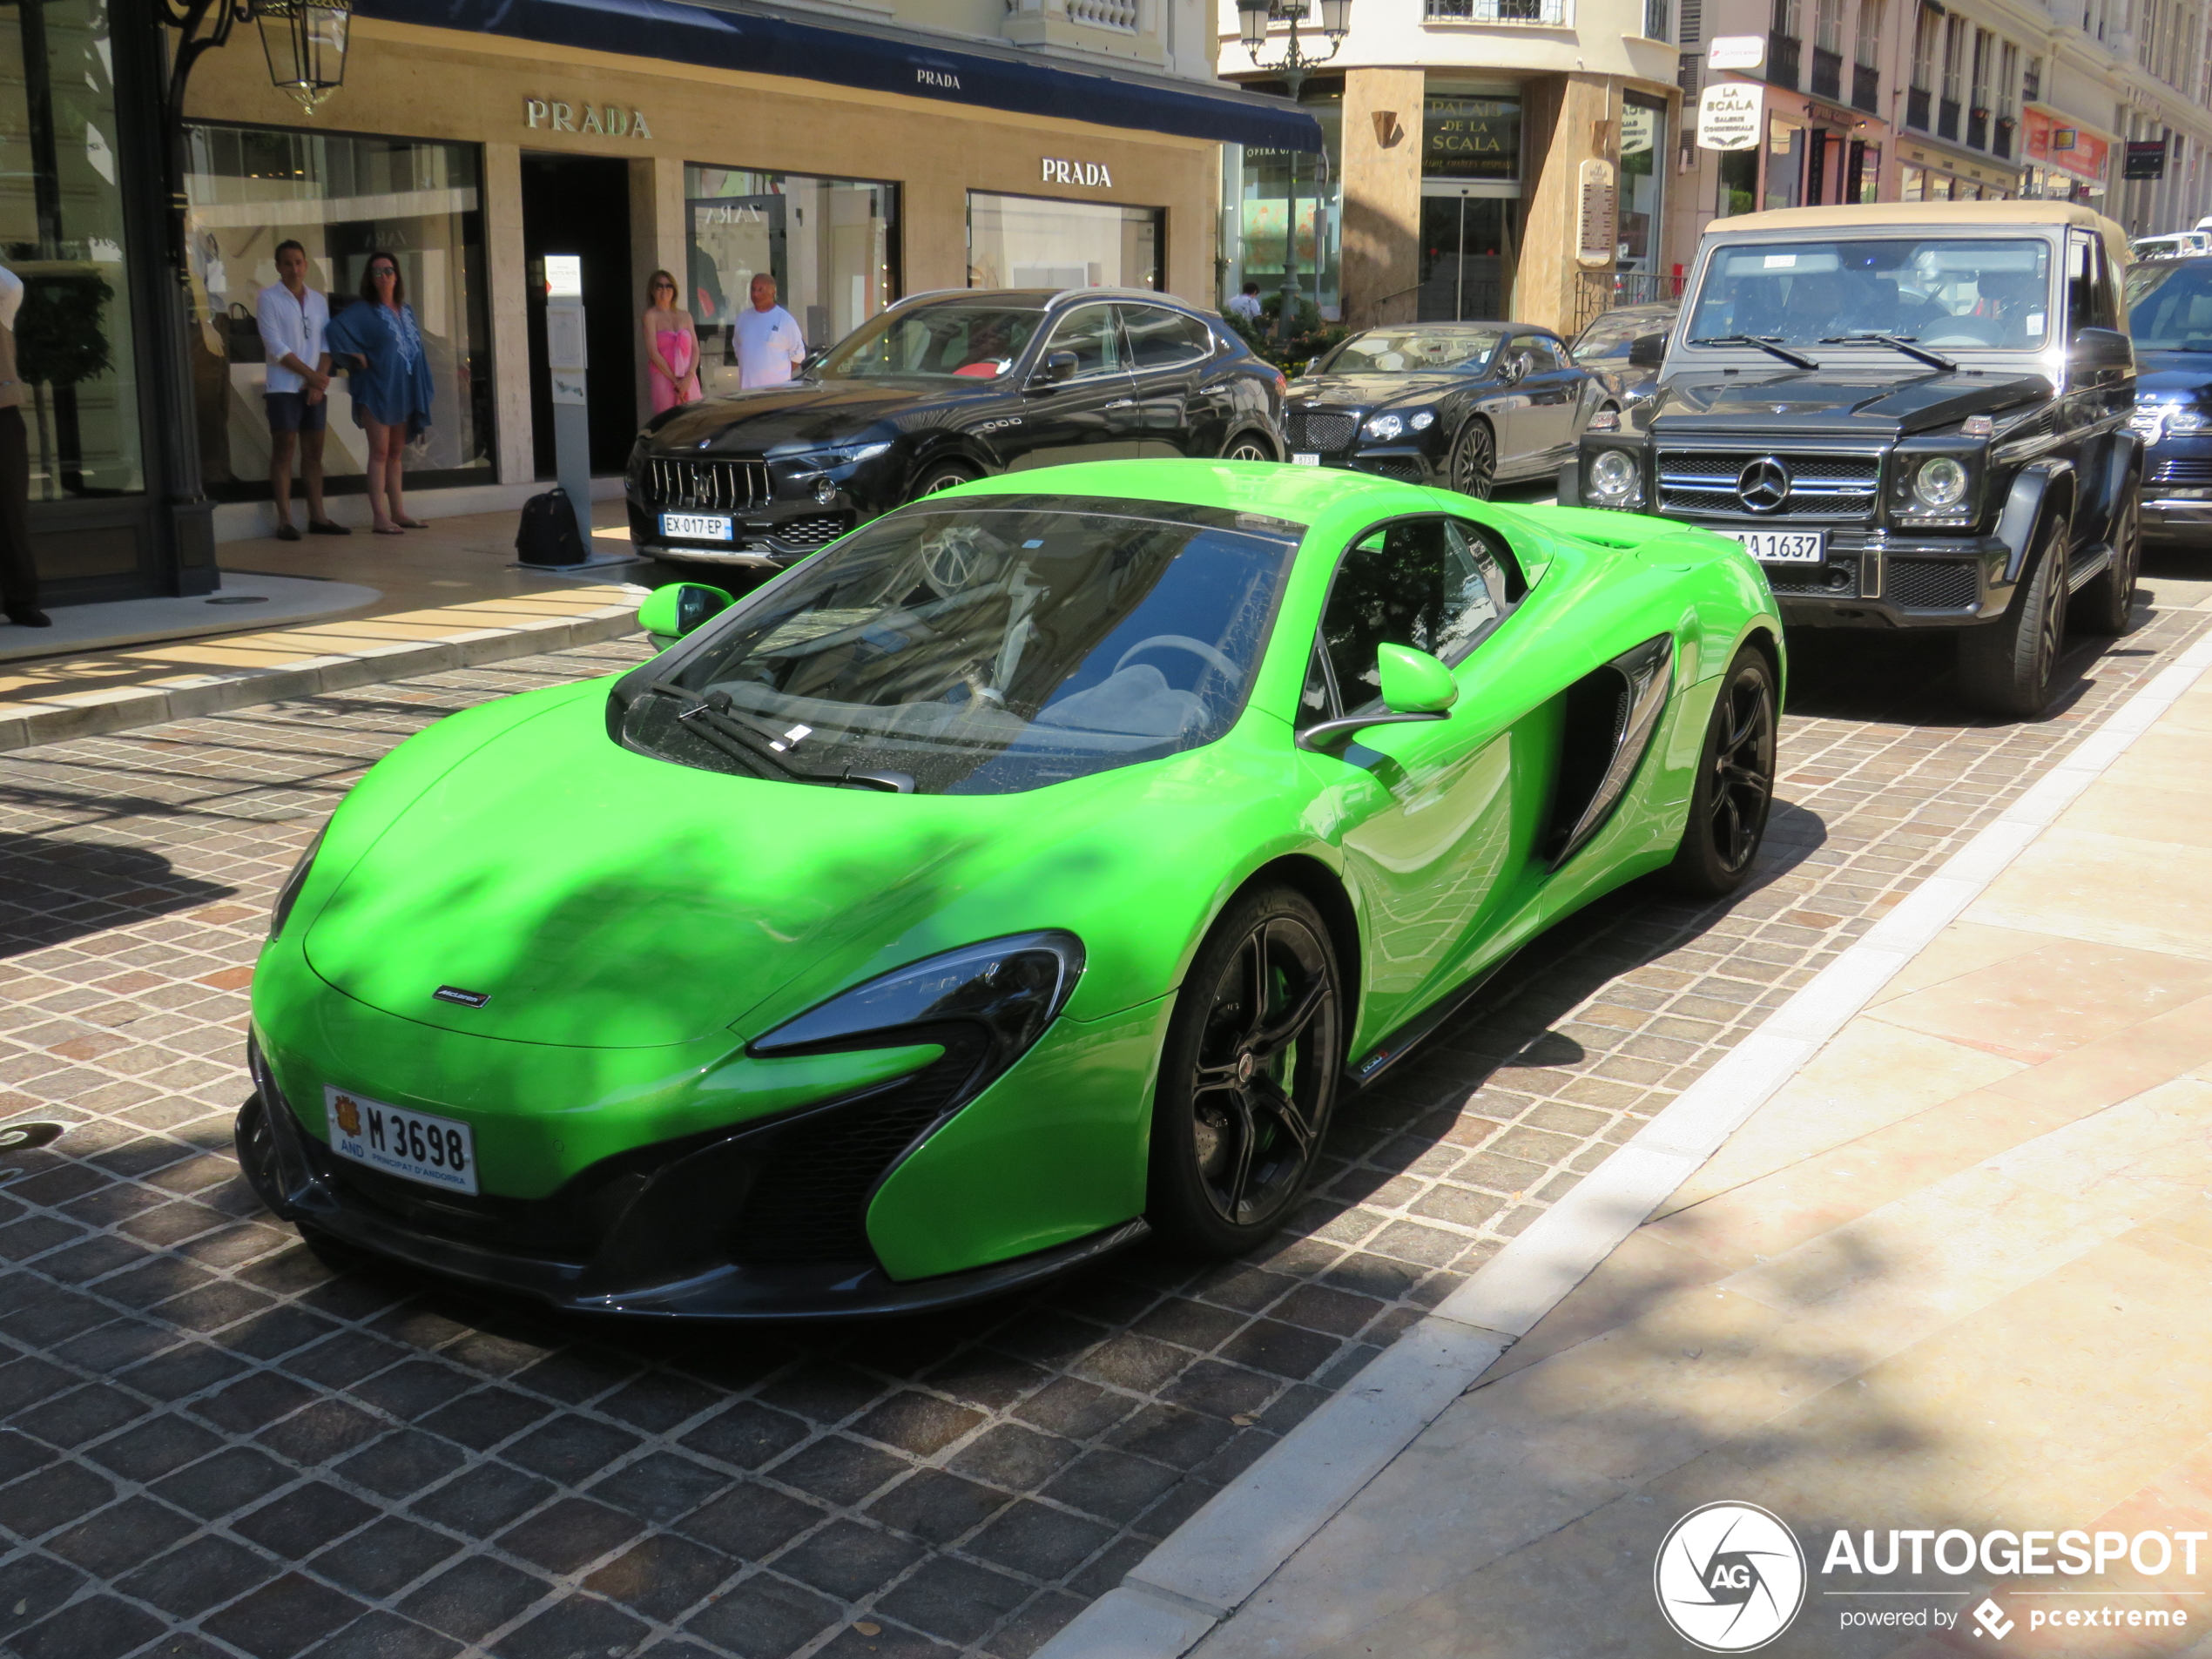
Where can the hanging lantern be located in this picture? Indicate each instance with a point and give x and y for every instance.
(1252, 16)
(305, 44)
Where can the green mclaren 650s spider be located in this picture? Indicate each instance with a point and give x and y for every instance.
(1031, 870)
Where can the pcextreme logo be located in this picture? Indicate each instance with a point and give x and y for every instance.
(1729, 1577)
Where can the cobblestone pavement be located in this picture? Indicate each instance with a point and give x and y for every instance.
(219, 1443)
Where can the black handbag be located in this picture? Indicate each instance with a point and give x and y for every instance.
(242, 335)
(548, 534)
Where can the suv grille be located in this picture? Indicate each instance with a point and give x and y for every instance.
(2182, 469)
(1932, 585)
(706, 486)
(1325, 434)
(1705, 482)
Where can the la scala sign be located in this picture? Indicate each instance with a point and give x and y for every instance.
(1728, 116)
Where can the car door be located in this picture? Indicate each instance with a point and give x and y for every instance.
(1553, 387)
(1091, 415)
(1438, 818)
(1169, 353)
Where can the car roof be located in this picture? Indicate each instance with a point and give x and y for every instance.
(1045, 299)
(1944, 216)
(1465, 325)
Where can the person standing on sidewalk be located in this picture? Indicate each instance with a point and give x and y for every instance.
(293, 319)
(769, 343)
(671, 346)
(19, 571)
(390, 382)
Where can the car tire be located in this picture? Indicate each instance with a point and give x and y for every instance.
(2007, 666)
(1247, 1079)
(1734, 789)
(1473, 469)
(2107, 602)
(941, 475)
(1249, 445)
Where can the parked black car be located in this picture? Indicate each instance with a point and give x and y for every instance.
(939, 389)
(1624, 348)
(2169, 313)
(1464, 405)
(1914, 415)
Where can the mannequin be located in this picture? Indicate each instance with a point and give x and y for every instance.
(18, 575)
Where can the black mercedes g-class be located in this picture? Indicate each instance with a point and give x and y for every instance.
(1912, 415)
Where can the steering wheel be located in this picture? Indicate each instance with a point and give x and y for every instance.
(1184, 642)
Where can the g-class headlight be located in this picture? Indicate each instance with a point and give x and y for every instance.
(1940, 485)
(1614, 479)
(996, 998)
(1384, 427)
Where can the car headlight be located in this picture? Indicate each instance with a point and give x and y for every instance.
(1940, 485)
(1421, 420)
(288, 895)
(1615, 478)
(996, 997)
(1384, 427)
(840, 455)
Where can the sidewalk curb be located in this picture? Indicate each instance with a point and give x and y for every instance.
(1200, 1575)
(85, 714)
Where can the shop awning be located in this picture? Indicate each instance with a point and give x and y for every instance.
(882, 59)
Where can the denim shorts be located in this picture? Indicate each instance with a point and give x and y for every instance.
(291, 412)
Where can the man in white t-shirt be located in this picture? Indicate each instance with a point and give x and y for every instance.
(1247, 304)
(769, 343)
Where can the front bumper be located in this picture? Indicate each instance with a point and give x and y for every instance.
(780, 509)
(726, 1225)
(2176, 517)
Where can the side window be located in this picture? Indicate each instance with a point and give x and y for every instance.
(1542, 351)
(1428, 583)
(2107, 306)
(1159, 338)
(2080, 283)
(1093, 335)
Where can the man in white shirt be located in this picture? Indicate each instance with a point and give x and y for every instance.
(292, 317)
(769, 343)
(1246, 305)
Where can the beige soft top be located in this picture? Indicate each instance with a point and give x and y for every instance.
(1944, 215)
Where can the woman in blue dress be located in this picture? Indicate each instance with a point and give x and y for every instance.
(389, 378)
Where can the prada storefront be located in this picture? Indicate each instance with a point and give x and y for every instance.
(474, 139)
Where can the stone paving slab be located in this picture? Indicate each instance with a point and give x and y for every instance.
(220, 1441)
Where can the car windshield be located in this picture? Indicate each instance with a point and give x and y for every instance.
(2169, 305)
(1976, 293)
(1610, 337)
(1398, 351)
(983, 648)
(956, 340)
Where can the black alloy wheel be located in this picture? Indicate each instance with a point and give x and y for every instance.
(1248, 446)
(1734, 789)
(1474, 459)
(1248, 1077)
(2007, 666)
(2107, 602)
(941, 475)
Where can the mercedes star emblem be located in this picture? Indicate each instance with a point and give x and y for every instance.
(1763, 485)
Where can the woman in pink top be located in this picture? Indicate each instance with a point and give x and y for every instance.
(671, 346)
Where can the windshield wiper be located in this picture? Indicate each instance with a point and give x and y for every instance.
(1896, 342)
(740, 738)
(1772, 347)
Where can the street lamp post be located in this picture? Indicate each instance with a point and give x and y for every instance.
(1254, 16)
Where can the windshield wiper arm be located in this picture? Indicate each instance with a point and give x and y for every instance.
(738, 737)
(1771, 348)
(1895, 342)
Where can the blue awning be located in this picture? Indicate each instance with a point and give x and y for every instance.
(763, 41)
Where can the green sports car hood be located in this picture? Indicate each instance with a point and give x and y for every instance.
(593, 897)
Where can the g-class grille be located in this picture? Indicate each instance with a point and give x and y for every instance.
(706, 486)
(1325, 435)
(1708, 482)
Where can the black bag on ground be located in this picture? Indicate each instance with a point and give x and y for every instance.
(548, 534)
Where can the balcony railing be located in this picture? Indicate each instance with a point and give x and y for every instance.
(1978, 128)
(1827, 73)
(1916, 108)
(1781, 60)
(1947, 119)
(1104, 14)
(1558, 13)
(1865, 87)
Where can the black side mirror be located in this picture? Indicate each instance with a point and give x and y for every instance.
(1648, 351)
(2100, 352)
(1058, 367)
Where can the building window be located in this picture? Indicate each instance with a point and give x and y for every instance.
(1265, 184)
(247, 189)
(61, 231)
(1739, 183)
(1644, 140)
(1029, 242)
(831, 244)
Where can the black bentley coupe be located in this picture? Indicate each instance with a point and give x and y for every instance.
(939, 389)
(1465, 405)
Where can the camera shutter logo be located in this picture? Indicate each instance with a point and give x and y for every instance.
(1729, 1577)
